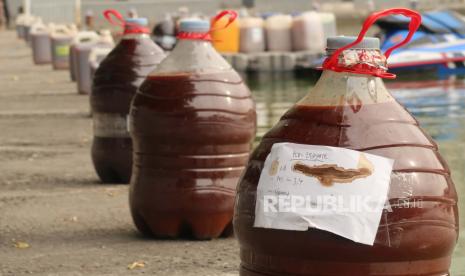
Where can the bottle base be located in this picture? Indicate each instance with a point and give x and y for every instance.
(275, 266)
(247, 272)
(185, 226)
(112, 159)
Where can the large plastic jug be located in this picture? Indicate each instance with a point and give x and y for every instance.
(115, 83)
(96, 56)
(252, 35)
(225, 40)
(165, 33)
(20, 26)
(81, 53)
(308, 33)
(28, 21)
(41, 43)
(80, 37)
(186, 168)
(278, 33)
(61, 37)
(329, 24)
(347, 183)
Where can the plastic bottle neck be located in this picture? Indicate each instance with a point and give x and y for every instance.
(193, 56)
(188, 43)
(345, 89)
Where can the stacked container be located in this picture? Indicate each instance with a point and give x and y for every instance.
(61, 37)
(80, 38)
(81, 52)
(225, 40)
(329, 25)
(278, 33)
(308, 33)
(96, 56)
(41, 43)
(252, 35)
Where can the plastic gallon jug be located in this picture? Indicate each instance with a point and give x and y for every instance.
(20, 26)
(278, 33)
(29, 20)
(347, 183)
(252, 35)
(165, 33)
(115, 83)
(41, 43)
(225, 40)
(96, 56)
(329, 24)
(61, 37)
(81, 52)
(308, 33)
(186, 168)
(81, 37)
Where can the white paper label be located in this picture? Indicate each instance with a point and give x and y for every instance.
(110, 125)
(333, 189)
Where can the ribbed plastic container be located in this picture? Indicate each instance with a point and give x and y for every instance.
(187, 167)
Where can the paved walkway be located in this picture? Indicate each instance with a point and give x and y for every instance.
(55, 218)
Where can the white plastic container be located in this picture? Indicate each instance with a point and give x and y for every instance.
(252, 35)
(329, 24)
(27, 22)
(61, 37)
(41, 43)
(95, 58)
(308, 33)
(81, 37)
(20, 26)
(81, 52)
(278, 33)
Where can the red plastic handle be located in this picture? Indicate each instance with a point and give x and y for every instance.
(129, 28)
(415, 22)
(109, 13)
(232, 18)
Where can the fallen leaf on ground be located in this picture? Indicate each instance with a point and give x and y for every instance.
(21, 245)
(138, 264)
(71, 219)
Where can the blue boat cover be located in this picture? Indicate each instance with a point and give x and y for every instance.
(438, 22)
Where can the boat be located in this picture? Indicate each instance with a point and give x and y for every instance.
(438, 46)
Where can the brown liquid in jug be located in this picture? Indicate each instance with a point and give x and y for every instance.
(192, 135)
(417, 240)
(115, 83)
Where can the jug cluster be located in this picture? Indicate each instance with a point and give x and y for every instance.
(318, 194)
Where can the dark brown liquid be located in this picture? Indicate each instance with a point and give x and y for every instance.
(115, 83)
(192, 136)
(417, 239)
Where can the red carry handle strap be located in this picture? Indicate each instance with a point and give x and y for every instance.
(109, 13)
(207, 36)
(331, 63)
(129, 28)
(232, 17)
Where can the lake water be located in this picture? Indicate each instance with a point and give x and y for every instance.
(438, 104)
